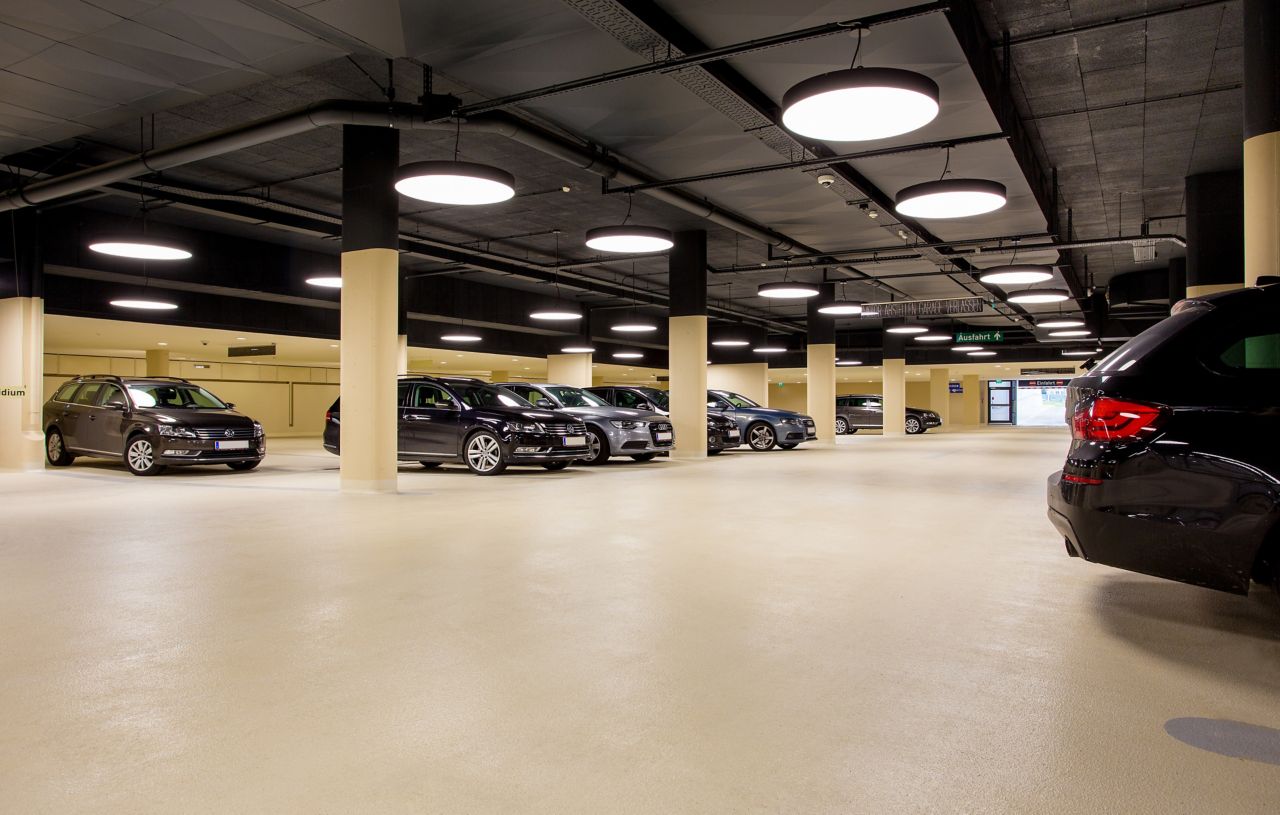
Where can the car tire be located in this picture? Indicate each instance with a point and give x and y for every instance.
(714, 452)
(853, 430)
(243, 466)
(913, 426)
(842, 426)
(787, 446)
(643, 457)
(428, 465)
(598, 445)
(55, 449)
(554, 466)
(483, 453)
(140, 456)
(761, 436)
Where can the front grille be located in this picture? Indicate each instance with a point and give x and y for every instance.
(219, 433)
(634, 445)
(565, 428)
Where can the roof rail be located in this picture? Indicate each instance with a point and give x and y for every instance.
(173, 378)
(110, 377)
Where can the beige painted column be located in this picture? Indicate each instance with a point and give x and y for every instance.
(751, 379)
(972, 400)
(940, 394)
(569, 369)
(687, 364)
(821, 390)
(157, 362)
(402, 354)
(370, 354)
(894, 395)
(1261, 206)
(21, 383)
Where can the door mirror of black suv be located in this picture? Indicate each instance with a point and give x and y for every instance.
(546, 404)
(117, 404)
(230, 405)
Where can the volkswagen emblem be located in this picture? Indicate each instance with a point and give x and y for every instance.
(228, 432)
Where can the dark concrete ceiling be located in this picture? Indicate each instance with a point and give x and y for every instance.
(95, 81)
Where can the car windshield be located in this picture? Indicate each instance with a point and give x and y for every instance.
(660, 398)
(175, 395)
(478, 396)
(737, 400)
(576, 397)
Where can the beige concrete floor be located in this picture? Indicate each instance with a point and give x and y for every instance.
(889, 626)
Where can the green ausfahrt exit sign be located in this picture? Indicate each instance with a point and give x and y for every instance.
(980, 336)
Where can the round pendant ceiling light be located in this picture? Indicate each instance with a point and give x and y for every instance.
(1039, 296)
(982, 353)
(787, 290)
(556, 314)
(629, 239)
(845, 363)
(1059, 322)
(461, 335)
(770, 349)
(907, 329)
(950, 198)
(932, 337)
(634, 325)
(1081, 352)
(145, 305)
(840, 307)
(140, 249)
(1071, 332)
(860, 104)
(1016, 275)
(966, 348)
(730, 342)
(455, 182)
(578, 347)
(326, 281)
(627, 355)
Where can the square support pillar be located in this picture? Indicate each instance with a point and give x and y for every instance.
(687, 350)
(569, 369)
(22, 381)
(940, 395)
(894, 393)
(821, 390)
(157, 362)
(402, 354)
(971, 414)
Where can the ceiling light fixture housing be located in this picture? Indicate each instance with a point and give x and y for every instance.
(634, 325)
(140, 248)
(787, 290)
(629, 239)
(461, 335)
(325, 281)
(841, 307)
(144, 304)
(729, 342)
(1019, 274)
(1071, 332)
(1039, 296)
(1081, 352)
(932, 336)
(982, 353)
(966, 348)
(845, 363)
(455, 182)
(770, 349)
(951, 198)
(907, 329)
(556, 314)
(577, 348)
(1060, 322)
(627, 355)
(860, 104)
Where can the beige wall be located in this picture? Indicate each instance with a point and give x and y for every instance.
(751, 379)
(289, 400)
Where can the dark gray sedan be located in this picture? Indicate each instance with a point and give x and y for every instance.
(763, 428)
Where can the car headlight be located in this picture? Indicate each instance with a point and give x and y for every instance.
(257, 428)
(527, 427)
(177, 430)
(627, 424)
(789, 420)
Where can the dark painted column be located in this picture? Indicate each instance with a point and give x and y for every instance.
(1215, 238)
(687, 342)
(820, 358)
(22, 345)
(1261, 139)
(370, 307)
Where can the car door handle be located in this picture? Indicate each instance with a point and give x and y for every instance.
(413, 417)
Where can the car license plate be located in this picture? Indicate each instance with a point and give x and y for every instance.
(575, 441)
(733, 434)
(231, 445)
(662, 436)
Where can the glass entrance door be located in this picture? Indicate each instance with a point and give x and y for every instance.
(1000, 401)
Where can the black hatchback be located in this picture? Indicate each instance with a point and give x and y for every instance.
(481, 425)
(1174, 465)
(149, 423)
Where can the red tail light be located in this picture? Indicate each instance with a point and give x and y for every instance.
(1107, 419)
(328, 415)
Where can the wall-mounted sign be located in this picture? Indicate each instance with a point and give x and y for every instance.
(927, 308)
(955, 387)
(994, 335)
(13, 392)
(1043, 383)
(252, 350)
(1046, 371)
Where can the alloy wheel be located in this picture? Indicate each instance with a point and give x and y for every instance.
(141, 455)
(913, 425)
(842, 427)
(53, 446)
(762, 437)
(593, 445)
(483, 453)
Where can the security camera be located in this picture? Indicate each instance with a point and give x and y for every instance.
(826, 179)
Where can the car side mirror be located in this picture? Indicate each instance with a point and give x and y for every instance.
(116, 404)
(230, 405)
(546, 404)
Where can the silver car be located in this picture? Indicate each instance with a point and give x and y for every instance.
(611, 431)
(762, 427)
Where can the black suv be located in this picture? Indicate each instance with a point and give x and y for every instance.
(483, 426)
(1174, 469)
(149, 422)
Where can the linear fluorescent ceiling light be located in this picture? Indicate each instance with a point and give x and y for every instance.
(1071, 332)
(634, 325)
(555, 314)
(139, 249)
(966, 348)
(1016, 275)
(950, 198)
(1059, 322)
(907, 329)
(461, 336)
(577, 348)
(326, 281)
(860, 104)
(1082, 352)
(787, 290)
(932, 337)
(627, 354)
(631, 239)
(838, 307)
(1039, 296)
(455, 182)
(145, 305)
